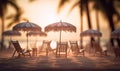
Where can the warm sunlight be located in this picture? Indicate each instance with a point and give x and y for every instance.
(53, 44)
(41, 14)
(60, 35)
(44, 12)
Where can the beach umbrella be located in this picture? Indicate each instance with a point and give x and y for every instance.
(36, 33)
(11, 33)
(27, 26)
(59, 27)
(115, 33)
(91, 33)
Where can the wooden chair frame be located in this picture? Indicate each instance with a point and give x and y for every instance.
(61, 49)
(19, 50)
(98, 49)
(75, 48)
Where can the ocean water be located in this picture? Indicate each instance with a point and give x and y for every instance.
(23, 43)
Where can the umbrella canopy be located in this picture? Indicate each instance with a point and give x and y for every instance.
(91, 33)
(60, 26)
(115, 33)
(27, 26)
(35, 33)
(11, 33)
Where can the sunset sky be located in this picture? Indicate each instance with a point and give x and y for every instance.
(44, 12)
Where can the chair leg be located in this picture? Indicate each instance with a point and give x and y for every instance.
(36, 53)
(29, 54)
(66, 54)
(23, 54)
(19, 55)
(14, 53)
(83, 53)
(47, 52)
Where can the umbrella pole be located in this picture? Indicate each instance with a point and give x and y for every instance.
(36, 43)
(60, 37)
(57, 50)
(60, 42)
(27, 40)
(81, 42)
(10, 42)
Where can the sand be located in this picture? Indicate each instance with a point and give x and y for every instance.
(51, 63)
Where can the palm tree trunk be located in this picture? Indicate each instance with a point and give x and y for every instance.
(109, 11)
(88, 15)
(97, 23)
(2, 29)
(89, 21)
(111, 25)
(81, 26)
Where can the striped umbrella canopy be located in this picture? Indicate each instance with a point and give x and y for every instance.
(91, 33)
(115, 33)
(60, 26)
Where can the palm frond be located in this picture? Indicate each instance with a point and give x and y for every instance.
(75, 5)
(31, 0)
(61, 4)
(17, 14)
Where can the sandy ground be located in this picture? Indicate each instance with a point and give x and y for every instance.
(51, 63)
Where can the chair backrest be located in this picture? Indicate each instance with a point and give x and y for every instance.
(17, 46)
(62, 47)
(74, 46)
(46, 44)
(97, 47)
(117, 52)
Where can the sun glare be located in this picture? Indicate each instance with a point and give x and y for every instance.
(53, 44)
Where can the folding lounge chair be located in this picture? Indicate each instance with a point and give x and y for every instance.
(75, 48)
(99, 49)
(19, 50)
(62, 49)
(46, 44)
(116, 52)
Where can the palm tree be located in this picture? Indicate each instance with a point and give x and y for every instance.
(3, 11)
(110, 12)
(81, 26)
(83, 7)
(97, 23)
(108, 9)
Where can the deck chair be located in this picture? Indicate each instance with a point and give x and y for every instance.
(61, 49)
(19, 50)
(46, 46)
(99, 49)
(116, 52)
(75, 49)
